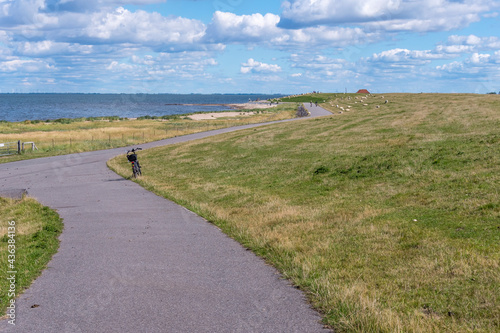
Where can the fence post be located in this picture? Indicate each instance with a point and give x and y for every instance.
(19, 146)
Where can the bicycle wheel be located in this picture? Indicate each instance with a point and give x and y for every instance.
(138, 166)
(134, 170)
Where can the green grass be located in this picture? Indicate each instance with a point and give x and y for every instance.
(388, 218)
(307, 98)
(36, 239)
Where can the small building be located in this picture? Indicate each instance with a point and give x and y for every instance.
(363, 91)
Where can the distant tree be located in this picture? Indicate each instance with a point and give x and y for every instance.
(493, 93)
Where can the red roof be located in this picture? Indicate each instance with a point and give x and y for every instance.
(363, 91)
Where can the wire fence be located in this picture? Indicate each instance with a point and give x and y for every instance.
(80, 140)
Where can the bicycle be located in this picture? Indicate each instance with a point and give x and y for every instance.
(132, 158)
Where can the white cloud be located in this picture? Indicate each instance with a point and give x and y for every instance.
(21, 65)
(478, 66)
(325, 36)
(318, 62)
(91, 5)
(380, 15)
(478, 59)
(469, 44)
(101, 26)
(491, 15)
(116, 66)
(451, 67)
(252, 66)
(407, 56)
(454, 49)
(242, 28)
(323, 68)
(140, 27)
(50, 48)
(424, 24)
(19, 12)
(263, 29)
(164, 64)
(311, 12)
(496, 57)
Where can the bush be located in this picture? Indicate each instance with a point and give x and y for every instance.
(302, 111)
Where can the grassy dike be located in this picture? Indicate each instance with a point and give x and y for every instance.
(32, 230)
(65, 136)
(388, 218)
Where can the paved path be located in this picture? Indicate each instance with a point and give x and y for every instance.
(130, 261)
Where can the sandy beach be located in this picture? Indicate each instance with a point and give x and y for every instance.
(249, 106)
(215, 115)
(224, 114)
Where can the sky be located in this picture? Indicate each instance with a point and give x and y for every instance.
(249, 46)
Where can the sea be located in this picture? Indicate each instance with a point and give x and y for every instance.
(20, 107)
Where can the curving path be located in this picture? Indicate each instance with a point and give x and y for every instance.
(130, 261)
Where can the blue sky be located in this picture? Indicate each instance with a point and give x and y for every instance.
(249, 46)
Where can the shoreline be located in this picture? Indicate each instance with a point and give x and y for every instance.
(21, 107)
(264, 104)
(237, 106)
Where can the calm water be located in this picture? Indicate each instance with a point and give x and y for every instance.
(19, 107)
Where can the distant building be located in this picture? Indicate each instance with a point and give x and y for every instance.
(363, 91)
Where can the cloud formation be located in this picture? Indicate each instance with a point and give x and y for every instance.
(99, 43)
(229, 27)
(252, 66)
(382, 15)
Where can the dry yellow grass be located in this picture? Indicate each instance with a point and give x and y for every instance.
(10, 211)
(57, 138)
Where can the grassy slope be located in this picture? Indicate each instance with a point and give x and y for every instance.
(36, 240)
(389, 218)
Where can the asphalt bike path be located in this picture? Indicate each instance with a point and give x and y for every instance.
(131, 261)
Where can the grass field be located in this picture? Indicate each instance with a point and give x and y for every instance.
(33, 237)
(64, 136)
(387, 217)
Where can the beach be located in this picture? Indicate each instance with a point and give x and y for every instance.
(237, 106)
